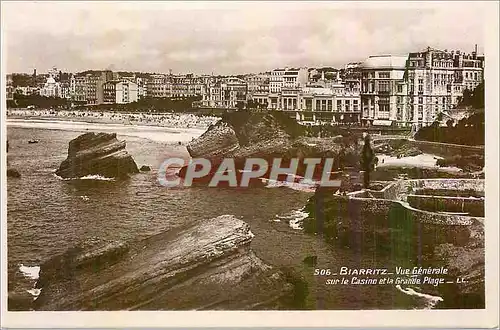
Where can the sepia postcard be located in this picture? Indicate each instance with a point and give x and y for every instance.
(257, 164)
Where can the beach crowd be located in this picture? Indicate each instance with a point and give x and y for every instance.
(173, 120)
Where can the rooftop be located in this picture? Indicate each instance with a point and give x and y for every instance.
(385, 62)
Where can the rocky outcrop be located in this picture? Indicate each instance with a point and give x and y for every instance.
(206, 266)
(243, 135)
(13, 173)
(145, 168)
(97, 154)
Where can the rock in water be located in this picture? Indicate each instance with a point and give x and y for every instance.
(243, 135)
(97, 154)
(207, 266)
(145, 168)
(13, 173)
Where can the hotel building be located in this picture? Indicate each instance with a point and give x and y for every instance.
(384, 97)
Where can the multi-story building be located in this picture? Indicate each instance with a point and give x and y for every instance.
(226, 93)
(51, 88)
(257, 83)
(109, 91)
(258, 88)
(212, 96)
(333, 104)
(65, 90)
(276, 80)
(384, 90)
(142, 87)
(233, 92)
(91, 82)
(295, 78)
(186, 85)
(78, 88)
(289, 79)
(105, 76)
(413, 90)
(126, 92)
(120, 91)
(26, 90)
(437, 79)
(157, 86)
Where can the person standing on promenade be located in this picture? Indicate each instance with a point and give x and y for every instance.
(367, 160)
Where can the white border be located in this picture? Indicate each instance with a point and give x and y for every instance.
(365, 318)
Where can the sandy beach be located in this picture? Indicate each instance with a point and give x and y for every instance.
(169, 120)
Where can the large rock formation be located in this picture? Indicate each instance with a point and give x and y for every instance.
(97, 154)
(244, 135)
(13, 173)
(206, 266)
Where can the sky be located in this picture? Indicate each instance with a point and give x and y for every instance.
(227, 37)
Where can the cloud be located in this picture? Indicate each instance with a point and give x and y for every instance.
(227, 37)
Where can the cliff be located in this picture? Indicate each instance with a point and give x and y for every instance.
(206, 266)
(243, 135)
(97, 154)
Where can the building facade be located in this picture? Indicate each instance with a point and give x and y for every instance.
(384, 95)
(51, 88)
(126, 92)
(437, 80)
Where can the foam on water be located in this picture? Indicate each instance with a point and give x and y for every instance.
(431, 301)
(295, 218)
(87, 177)
(299, 186)
(422, 161)
(32, 272)
(297, 221)
(34, 292)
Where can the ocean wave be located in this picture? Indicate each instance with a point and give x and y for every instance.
(302, 185)
(430, 300)
(87, 177)
(32, 272)
(295, 218)
(34, 292)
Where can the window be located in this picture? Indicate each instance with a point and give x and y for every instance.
(400, 88)
(330, 105)
(420, 81)
(475, 75)
(383, 86)
(384, 75)
(339, 105)
(420, 100)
